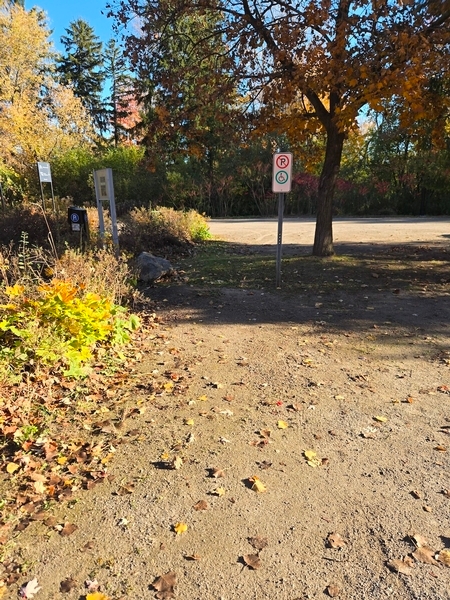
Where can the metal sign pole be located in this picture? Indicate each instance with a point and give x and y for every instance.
(101, 220)
(53, 197)
(112, 210)
(281, 183)
(279, 238)
(42, 195)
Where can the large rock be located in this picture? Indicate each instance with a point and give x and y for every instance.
(152, 267)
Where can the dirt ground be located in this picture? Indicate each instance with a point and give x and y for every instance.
(303, 434)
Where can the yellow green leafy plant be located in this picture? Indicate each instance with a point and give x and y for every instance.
(59, 324)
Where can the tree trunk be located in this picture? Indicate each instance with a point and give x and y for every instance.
(323, 238)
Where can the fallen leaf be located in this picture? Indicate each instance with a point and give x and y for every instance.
(333, 590)
(419, 540)
(380, 419)
(189, 422)
(400, 566)
(440, 448)
(265, 464)
(444, 557)
(216, 473)
(126, 488)
(203, 398)
(265, 433)
(67, 585)
(88, 546)
(309, 454)
(177, 463)
(50, 521)
(219, 491)
(335, 540)
(165, 585)
(282, 425)
(68, 529)
(424, 554)
(311, 458)
(252, 560)
(30, 589)
(39, 487)
(258, 542)
(180, 528)
(12, 468)
(258, 485)
(97, 596)
(201, 505)
(193, 557)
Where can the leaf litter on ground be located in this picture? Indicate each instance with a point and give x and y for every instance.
(165, 585)
(253, 561)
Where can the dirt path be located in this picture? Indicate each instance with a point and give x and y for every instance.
(252, 381)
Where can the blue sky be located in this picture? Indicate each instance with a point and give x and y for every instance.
(61, 13)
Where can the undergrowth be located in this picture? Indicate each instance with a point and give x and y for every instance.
(56, 313)
(150, 229)
(59, 305)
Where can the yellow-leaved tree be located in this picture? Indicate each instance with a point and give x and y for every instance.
(39, 118)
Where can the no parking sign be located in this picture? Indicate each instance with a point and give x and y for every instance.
(282, 172)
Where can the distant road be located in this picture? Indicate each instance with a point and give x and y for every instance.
(367, 231)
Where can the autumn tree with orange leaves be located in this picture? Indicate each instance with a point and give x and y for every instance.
(314, 65)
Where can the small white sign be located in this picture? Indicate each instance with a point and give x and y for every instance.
(282, 172)
(45, 175)
(102, 180)
(104, 192)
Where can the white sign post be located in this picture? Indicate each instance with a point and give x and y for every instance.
(281, 183)
(45, 176)
(104, 192)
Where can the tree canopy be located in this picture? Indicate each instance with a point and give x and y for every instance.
(314, 65)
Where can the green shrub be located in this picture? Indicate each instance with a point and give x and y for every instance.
(60, 326)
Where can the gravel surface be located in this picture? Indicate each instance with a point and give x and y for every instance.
(359, 378)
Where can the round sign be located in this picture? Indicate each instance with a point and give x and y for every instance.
(281, 177)
(74, 217)
(282, 161)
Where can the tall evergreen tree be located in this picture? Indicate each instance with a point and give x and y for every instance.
(121, 96)
(82, 67)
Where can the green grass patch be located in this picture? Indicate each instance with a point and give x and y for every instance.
(219, 264)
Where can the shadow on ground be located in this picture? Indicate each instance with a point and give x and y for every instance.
(392, 288)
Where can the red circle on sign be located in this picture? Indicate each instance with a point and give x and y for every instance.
(282, 161)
